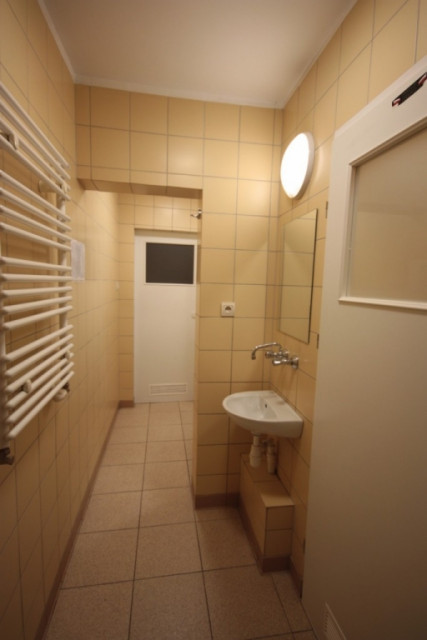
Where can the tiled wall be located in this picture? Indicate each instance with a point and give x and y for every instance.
(231, 153)
(42, 493)
(376, 43)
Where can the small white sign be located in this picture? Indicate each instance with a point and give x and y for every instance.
(78, 260)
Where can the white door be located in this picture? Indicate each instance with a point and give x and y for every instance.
(366, 550)
(164, 326)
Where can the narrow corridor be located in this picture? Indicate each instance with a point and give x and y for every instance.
(147, 566)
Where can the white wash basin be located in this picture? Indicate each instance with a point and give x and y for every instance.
(263, 412)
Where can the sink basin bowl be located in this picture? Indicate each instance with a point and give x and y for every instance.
(263, 412)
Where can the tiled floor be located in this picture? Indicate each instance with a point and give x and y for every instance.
(147, 566)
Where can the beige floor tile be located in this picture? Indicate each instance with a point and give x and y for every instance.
(123, 435)
(283, 636)
(166, 506)
(166, 418)
(167, 550)
(187, 430)
(166, 451)
(132, 417)
(223, 543)
(98, 558)
(124, 453)
(186, 406)
(216, 513)
(188, 449)
(243, 604)
(170, 607)
(142, 483)
(163, 475)
(92, 613)
(291, 601)
(164, 407)
(112, 511)
(162, 432)
(120, 478)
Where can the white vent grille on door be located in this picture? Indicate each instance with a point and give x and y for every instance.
(330, 626)
(167, 389)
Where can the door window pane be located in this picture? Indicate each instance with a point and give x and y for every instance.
(169, 263)
(388, 242)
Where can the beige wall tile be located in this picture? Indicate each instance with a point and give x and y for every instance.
(324, 116)
(353, 87)
(306, 96)
(82, 104)
(9, 518)
(257, 125)
(12, 623)
(251, 267)
(250, 301)
(110, 148)
(186, 118)
(29, 530)
(222, 121)
(148, 113)
(37, 86)
(83, 148)
(305, 395)
(219, 195)
(212, 429)
(220, 158)
(254, 198)
(384, 10)
(255, 161)
(356, 31)
(14, 51)
(219, 231)
(212, 459)
(422, 31)
(215, 333)
(252, 233)
(148, 152)
(211, 485)
(247, 332)
(278, 543)
(214, 366)
(211, 296)
(27, 476)
(185, 155)
(211, 395)
(217, 265)
(396, 43)
(328, 65)
(109, 108)
(9, 563)
(244, 369)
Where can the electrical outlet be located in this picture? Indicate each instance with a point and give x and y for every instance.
(227, 309)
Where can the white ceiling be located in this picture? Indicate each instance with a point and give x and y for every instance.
(252, 52)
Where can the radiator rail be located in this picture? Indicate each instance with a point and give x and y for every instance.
(36, 357)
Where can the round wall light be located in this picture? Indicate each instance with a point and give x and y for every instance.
(297, 165)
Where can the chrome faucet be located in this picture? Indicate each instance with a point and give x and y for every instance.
(265, 346)
(281, 356)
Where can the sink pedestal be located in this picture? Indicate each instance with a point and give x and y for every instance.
(267, 512)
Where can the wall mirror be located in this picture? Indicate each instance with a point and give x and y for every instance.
(296, 286)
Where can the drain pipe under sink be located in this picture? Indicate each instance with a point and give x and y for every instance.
(257, 448)
(255, 454)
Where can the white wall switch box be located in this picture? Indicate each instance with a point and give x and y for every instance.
(227, 309)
